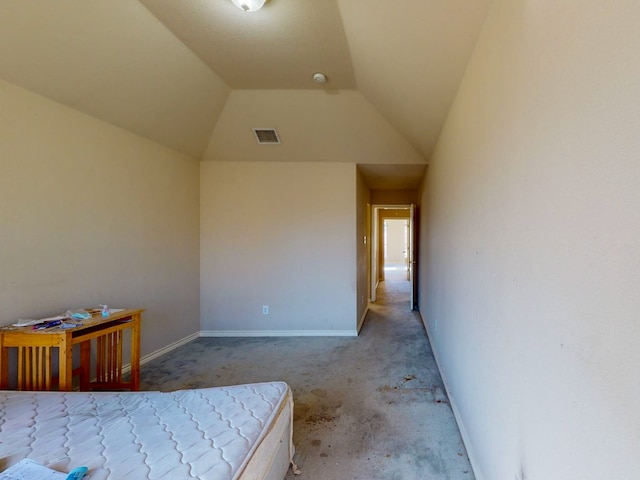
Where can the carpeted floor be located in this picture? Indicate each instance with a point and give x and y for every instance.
(368, 407)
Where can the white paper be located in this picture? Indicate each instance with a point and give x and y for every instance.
(27, 469)
(26, 323)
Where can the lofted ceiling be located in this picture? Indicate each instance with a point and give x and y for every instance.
(165, 69)
(278, 47)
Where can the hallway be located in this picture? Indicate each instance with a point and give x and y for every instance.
(366, 407)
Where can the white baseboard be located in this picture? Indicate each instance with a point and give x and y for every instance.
(278, 333)
(158, 353)
(454, 408)
(240, 333)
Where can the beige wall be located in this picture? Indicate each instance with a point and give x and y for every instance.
(91, 214)
(323, 132)
(280, 234)
(532, 262)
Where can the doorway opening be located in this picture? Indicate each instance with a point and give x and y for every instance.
(393, 257)
(395, 249)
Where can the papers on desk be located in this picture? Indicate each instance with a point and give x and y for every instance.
(31, 322)
(27, 323)
(27, 469)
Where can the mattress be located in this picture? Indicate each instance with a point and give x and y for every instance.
(218, 433)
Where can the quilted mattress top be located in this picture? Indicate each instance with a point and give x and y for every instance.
(205, 433)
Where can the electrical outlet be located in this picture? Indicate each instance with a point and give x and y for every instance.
(265, 309)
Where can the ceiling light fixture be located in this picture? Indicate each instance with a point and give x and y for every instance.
(249, 5)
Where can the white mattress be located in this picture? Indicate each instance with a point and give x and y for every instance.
(210, 433)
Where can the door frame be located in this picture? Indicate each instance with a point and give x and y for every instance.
(377, 222)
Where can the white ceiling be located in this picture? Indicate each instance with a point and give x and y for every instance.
(164, 69)
(112, 60)
(278, 47)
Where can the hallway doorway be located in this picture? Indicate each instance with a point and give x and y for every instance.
(396, 248)
(393, 249)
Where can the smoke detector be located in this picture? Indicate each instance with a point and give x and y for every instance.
(266, 135)
(319, 77)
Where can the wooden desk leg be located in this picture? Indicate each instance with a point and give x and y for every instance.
(65, 365)
(135, 353)
(85, 365)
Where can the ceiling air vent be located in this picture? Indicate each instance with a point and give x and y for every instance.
(266, 135)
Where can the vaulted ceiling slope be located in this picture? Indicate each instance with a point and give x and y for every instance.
(409, 58)
(278, 47)
(113, 60)
(164, 69)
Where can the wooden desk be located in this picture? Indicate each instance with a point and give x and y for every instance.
(35, 348)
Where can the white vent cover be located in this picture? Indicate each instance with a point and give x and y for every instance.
(266, 135)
